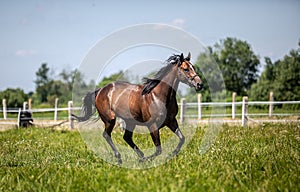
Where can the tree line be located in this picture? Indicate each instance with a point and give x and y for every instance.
(239, 67)
(48, 88)
(238, 63)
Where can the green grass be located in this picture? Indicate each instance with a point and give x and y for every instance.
(262, 158)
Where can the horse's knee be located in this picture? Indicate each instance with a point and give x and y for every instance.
(105, 135)
(180, 135)
(182, 139)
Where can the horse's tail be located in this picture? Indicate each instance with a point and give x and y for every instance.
(87, 106)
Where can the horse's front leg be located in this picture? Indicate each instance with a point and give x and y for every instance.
(174, 127)
(128, 138)
(181, 141)
(154, 132)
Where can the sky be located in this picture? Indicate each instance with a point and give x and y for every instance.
(61, 33)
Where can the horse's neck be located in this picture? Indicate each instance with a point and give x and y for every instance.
(168, 86)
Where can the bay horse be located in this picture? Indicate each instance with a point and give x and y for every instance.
(152, 104)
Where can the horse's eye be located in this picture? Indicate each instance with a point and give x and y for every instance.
(186, 69)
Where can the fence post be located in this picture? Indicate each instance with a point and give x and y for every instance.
(199, 106)
(29, 103)
(55, 109)
(70, 105)
(233, 105)
(245, 111)
(271, 104)
(4, 108)
(25, 105)
(182, 109)
(19, 117)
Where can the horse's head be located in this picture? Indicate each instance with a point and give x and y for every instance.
(186, 73)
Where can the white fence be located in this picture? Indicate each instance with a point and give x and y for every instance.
(46, 121)
(248, 111)
(240, 112)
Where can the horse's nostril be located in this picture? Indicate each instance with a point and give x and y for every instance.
(199, 86)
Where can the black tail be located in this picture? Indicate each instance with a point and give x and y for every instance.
(87, 106)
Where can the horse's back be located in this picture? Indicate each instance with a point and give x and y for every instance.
(118, 97)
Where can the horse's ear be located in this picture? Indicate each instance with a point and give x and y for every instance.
(188, 58)
(181, 58)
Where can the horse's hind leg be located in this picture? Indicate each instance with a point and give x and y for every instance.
(109, 125)
(128, 138)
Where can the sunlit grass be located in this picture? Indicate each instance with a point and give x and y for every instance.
(261, 158)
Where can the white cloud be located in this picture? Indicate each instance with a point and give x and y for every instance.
(178, 22)
(25, 52)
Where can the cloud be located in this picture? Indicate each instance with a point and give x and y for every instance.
(25, 52)
(178, 22)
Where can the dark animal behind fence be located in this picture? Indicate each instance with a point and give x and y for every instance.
(25, 119)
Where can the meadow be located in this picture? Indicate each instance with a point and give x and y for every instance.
(265, 157)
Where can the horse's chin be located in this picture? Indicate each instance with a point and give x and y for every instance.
(197, 88)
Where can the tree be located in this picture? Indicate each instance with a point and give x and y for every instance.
(58, 89)
(113, 77)
(282, 77)
(42, 82)
(212, 78)
(63, 87)
(42, 75)
(68, 77)
(238, 63)
(14, 97)
(48, 89)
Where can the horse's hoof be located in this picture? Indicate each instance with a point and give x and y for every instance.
(143, 159)
(120, 161)
(146, 159)
(174, 153)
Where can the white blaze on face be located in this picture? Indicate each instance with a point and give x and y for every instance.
(191, 66)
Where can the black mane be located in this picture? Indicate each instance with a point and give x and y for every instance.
(151, 83)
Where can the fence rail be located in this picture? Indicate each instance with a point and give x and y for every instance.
(27, 107)
(247, 111)
(241, 112)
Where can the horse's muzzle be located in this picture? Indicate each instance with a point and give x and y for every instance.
(199, 86)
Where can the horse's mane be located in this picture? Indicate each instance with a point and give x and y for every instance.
(151, 83)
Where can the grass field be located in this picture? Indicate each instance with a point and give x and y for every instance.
(261, 158)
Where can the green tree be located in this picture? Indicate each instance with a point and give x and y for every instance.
(58, 89)
(282, 77)
(238, 63)
(68, 77)
(113, 77)
(63, 87)
(212, 78)
(80, 87)
(14, 97)
(42, 82)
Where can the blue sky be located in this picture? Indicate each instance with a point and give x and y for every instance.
(62, 32)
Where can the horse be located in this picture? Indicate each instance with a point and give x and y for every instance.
(152, 104)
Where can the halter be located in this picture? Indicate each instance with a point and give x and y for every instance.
(192, 78)
(188, 79)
